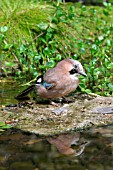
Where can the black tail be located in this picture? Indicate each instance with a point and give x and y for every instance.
(25, 92)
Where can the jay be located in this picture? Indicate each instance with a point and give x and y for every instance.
(58, 81)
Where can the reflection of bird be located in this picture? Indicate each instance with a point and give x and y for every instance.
(58, 81)
(64, 143)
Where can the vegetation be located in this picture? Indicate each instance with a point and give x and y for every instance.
(4, 126)
(36, 35)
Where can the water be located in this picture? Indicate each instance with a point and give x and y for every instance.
(88, 150)
(8, 89)
(28, 151)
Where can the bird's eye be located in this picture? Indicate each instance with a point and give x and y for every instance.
(75, 66)
(73, 71)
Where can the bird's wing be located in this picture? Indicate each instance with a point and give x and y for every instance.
(48, 85)
(25, 92)
(54, 76)
(30, 88)
(40, 80)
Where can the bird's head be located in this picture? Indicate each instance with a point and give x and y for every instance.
(73, 67)
(76, 68)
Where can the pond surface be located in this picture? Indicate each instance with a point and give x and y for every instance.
(91, 149)
(8, 89)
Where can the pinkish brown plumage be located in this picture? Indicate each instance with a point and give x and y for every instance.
(58, 81)
(62, 81)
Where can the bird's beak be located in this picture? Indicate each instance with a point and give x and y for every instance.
(83, 73)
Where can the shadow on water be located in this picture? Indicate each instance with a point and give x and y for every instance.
(88, 150)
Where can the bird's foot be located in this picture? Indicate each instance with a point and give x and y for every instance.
(55, 104)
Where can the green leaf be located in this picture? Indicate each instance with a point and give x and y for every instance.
(110, 66)
(2, 123)
(7, 46)
(110, 87)
(2, 37)
(105, 11)
(82, 50)
(105, 4)
(55, 20)
(10, 64)
(94, 46)
(1, 130)
(101, 37)
(22, 48)
(58, 57)
(3, 29)
(48, 35)
(37, 57)
(6, 126)
(47, 51)
(50, 64)
(41, 67)
(53, 26)
(108, 42)
(59, 12)
(88, 91)
(71, 16)
(43, 40)
(82, 85)
(43, 26)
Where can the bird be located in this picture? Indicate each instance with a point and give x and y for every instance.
(57, 82)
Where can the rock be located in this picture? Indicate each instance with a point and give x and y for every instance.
(45, 120)
(103, 110)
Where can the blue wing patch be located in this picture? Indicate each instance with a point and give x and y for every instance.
(41, 81)
(47, 85)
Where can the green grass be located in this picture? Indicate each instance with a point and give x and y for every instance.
(21, 17)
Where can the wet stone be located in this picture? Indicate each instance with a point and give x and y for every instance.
(103, 110)
(45, 119)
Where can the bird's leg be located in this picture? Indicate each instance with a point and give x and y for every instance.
(67, 100)
(61, 101)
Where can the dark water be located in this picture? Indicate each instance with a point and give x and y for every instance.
(8, 89)
(20, 151)
(87, 150)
